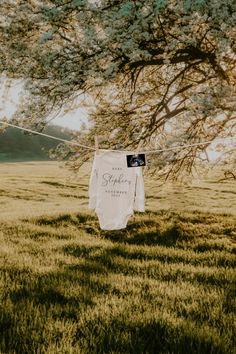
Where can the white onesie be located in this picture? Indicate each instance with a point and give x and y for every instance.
(115, 190)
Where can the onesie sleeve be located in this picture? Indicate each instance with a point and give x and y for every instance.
(93, 185)
(139, 199)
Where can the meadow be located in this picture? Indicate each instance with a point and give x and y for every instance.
(165, 284)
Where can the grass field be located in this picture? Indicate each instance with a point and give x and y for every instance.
(165, 284)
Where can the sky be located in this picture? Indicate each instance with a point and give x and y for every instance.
(9, 100)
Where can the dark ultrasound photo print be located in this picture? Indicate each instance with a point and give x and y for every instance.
(136, 160)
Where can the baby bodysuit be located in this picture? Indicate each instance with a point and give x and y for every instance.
(115, 190)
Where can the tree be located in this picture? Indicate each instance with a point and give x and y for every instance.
(159, 72)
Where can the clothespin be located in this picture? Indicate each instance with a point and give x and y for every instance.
(143, 159)
(139, 146)
(96, 143)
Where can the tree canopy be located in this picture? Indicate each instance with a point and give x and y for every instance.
(159, 72)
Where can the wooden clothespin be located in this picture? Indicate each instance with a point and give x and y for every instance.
(96, 143)
(139, 146)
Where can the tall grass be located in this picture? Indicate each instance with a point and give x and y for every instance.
(165, 284)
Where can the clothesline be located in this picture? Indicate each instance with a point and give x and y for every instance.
(71, 142)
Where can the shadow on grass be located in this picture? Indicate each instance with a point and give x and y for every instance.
(155, 336)
(164, 228)
(64, 220)
(27, 326)
(163, 268)
(171, 229)
(29, 313)
(33, 304)
(144, 234)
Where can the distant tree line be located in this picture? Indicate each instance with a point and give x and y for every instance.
(18, 146)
